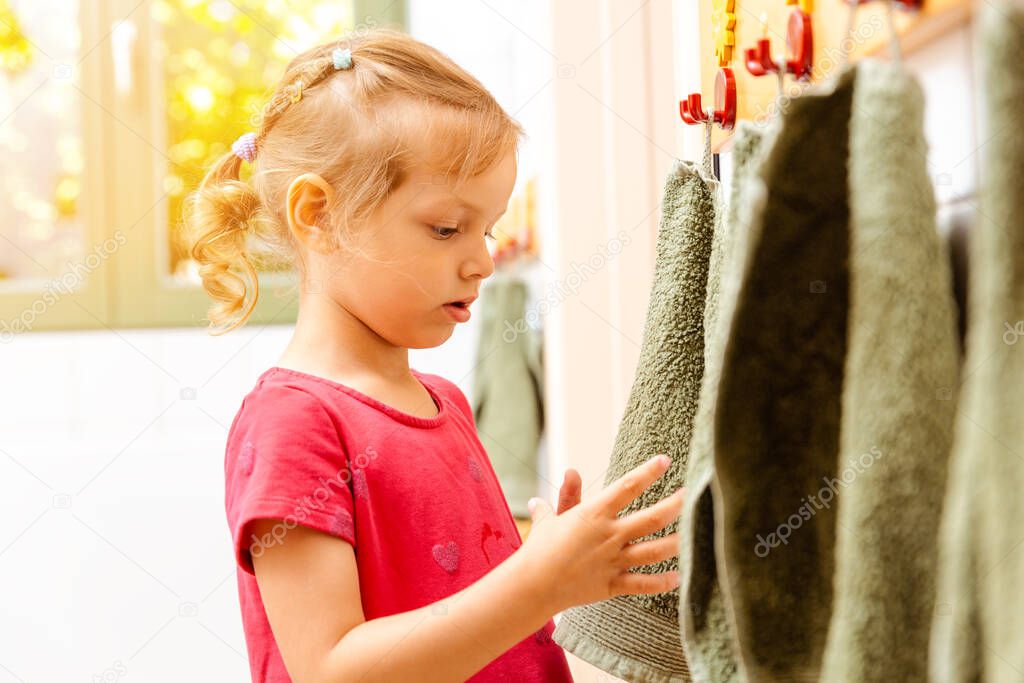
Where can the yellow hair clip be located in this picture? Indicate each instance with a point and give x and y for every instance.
(297, 95)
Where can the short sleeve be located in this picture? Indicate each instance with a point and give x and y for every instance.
(285, 460)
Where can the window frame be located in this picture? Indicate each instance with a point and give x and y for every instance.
(123, 142)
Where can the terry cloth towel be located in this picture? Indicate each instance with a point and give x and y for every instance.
(703, 626)
(508, 390)
(833, 419)
(979, 616)
(636, 637)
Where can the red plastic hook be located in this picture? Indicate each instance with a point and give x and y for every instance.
(800, 42)
(724, 111)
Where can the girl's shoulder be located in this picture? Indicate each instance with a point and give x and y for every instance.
(277, 407)
(277, 395)
(291, 421)
(286, 458)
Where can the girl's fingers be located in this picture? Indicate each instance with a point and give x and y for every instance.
(635, 583)
(569, 495)
(649, 552)
(653, 518)
(626, 488)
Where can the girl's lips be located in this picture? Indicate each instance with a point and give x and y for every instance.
(459, 314)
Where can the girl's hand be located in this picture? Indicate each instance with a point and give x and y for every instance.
(583, 554)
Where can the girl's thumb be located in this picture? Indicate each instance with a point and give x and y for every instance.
(538, 508)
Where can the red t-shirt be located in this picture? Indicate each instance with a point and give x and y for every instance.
(416, 497)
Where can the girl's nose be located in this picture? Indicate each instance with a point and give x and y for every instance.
(479, 262)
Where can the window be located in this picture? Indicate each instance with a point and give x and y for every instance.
(108, 118)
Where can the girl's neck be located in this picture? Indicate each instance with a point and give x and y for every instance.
(330, 341)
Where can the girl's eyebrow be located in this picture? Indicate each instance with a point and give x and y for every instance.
(449, 199)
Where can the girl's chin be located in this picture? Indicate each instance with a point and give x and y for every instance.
(425, 339)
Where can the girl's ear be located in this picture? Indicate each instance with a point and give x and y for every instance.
(307, 199)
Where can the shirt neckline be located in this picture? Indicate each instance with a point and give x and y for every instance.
(394, 413)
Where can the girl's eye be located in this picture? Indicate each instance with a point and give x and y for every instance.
(438, 230)
(444, 232)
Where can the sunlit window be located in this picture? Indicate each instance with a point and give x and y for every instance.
(110, 113)
(219, 61)
(40, 140)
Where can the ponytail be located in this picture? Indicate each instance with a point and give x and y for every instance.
(223, 212)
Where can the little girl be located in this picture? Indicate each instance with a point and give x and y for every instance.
(372, 539)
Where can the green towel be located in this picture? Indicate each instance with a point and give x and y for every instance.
(979, 616)
(898, 394)
(833, 415)
(508, 389)
(636, 637)
(703, 626)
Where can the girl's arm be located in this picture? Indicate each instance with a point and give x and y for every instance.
(310, 590)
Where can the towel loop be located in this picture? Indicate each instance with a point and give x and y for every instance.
(890, 6)
(894, 38)
(706, 160)
(846, 44)
(722, 113)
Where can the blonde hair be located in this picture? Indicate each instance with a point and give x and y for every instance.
(357, 128)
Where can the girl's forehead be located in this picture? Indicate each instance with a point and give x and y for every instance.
(485, 194)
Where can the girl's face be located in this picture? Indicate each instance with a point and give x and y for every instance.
(422, 248)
